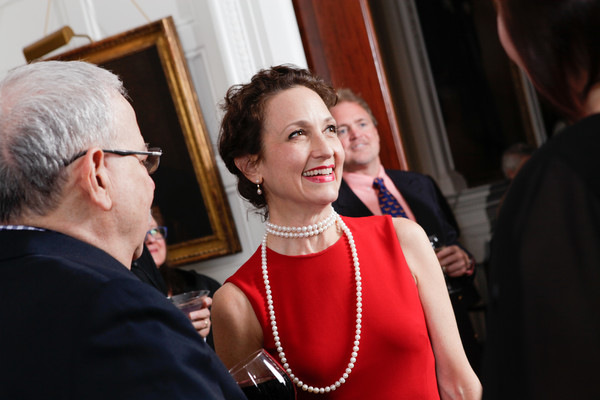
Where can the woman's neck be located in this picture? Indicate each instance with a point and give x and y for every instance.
(302, 245)
(295, 216)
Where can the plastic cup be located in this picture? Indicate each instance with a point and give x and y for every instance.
(189, 301)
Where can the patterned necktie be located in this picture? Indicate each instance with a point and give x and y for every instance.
(389, 204)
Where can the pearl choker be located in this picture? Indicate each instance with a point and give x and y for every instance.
(294, 232)
(357, 333)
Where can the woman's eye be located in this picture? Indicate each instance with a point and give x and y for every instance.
(332, 129)
(296, 133)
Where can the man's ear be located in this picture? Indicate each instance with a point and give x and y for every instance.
(248, 165)
(94, 178)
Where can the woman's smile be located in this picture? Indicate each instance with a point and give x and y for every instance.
(321, 174)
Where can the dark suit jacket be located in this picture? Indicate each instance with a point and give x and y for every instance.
(77, 324)
(423, 197)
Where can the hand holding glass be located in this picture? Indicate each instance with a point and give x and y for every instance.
(190, 301)
(437, 245)
(261, 377)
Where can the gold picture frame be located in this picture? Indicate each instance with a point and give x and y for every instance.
(189, 192)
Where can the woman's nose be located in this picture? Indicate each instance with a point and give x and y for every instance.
(322, 147)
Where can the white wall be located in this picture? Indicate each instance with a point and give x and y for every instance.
(225, 42)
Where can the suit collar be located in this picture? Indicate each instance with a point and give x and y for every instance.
(14, 244)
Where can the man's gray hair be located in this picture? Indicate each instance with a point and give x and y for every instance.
(49, 112)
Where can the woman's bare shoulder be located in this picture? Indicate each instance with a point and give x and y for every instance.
(230, 298)
(407, 229)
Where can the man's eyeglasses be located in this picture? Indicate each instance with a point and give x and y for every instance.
(158, 233)
(150, 162)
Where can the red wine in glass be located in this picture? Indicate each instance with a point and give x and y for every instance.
(269, 389)
(262, 378)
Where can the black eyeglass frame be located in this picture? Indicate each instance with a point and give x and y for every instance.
(150, 163)
(162, 230)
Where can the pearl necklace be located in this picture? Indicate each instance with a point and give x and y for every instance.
(276, 337)
(294, 232)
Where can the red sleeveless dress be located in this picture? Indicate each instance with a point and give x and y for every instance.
(315, 305)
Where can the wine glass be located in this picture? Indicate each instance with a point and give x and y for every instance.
(261, 377)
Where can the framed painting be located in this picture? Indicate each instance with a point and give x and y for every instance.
(189, 193)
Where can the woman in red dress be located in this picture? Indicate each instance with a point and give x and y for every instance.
(351, 307)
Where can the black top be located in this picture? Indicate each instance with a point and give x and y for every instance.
(544, 312)
(145, 269)
(181, 281)
(174, 279)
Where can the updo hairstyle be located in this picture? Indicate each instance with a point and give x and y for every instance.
(244, 114)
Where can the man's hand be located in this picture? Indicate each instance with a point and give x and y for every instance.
(455, 261)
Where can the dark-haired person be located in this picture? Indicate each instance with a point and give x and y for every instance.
(75, 196)
(544, 325)
(350, 312)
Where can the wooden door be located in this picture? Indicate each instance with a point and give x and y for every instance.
(341, 46)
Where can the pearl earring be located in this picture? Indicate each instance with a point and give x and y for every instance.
(258, 189)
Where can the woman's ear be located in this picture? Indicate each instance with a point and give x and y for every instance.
(248, 165)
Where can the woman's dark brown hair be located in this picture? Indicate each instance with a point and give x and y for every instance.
(558, 43)
(243, 121)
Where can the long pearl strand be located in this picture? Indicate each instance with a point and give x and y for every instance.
(357, 333)
(294, 232)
